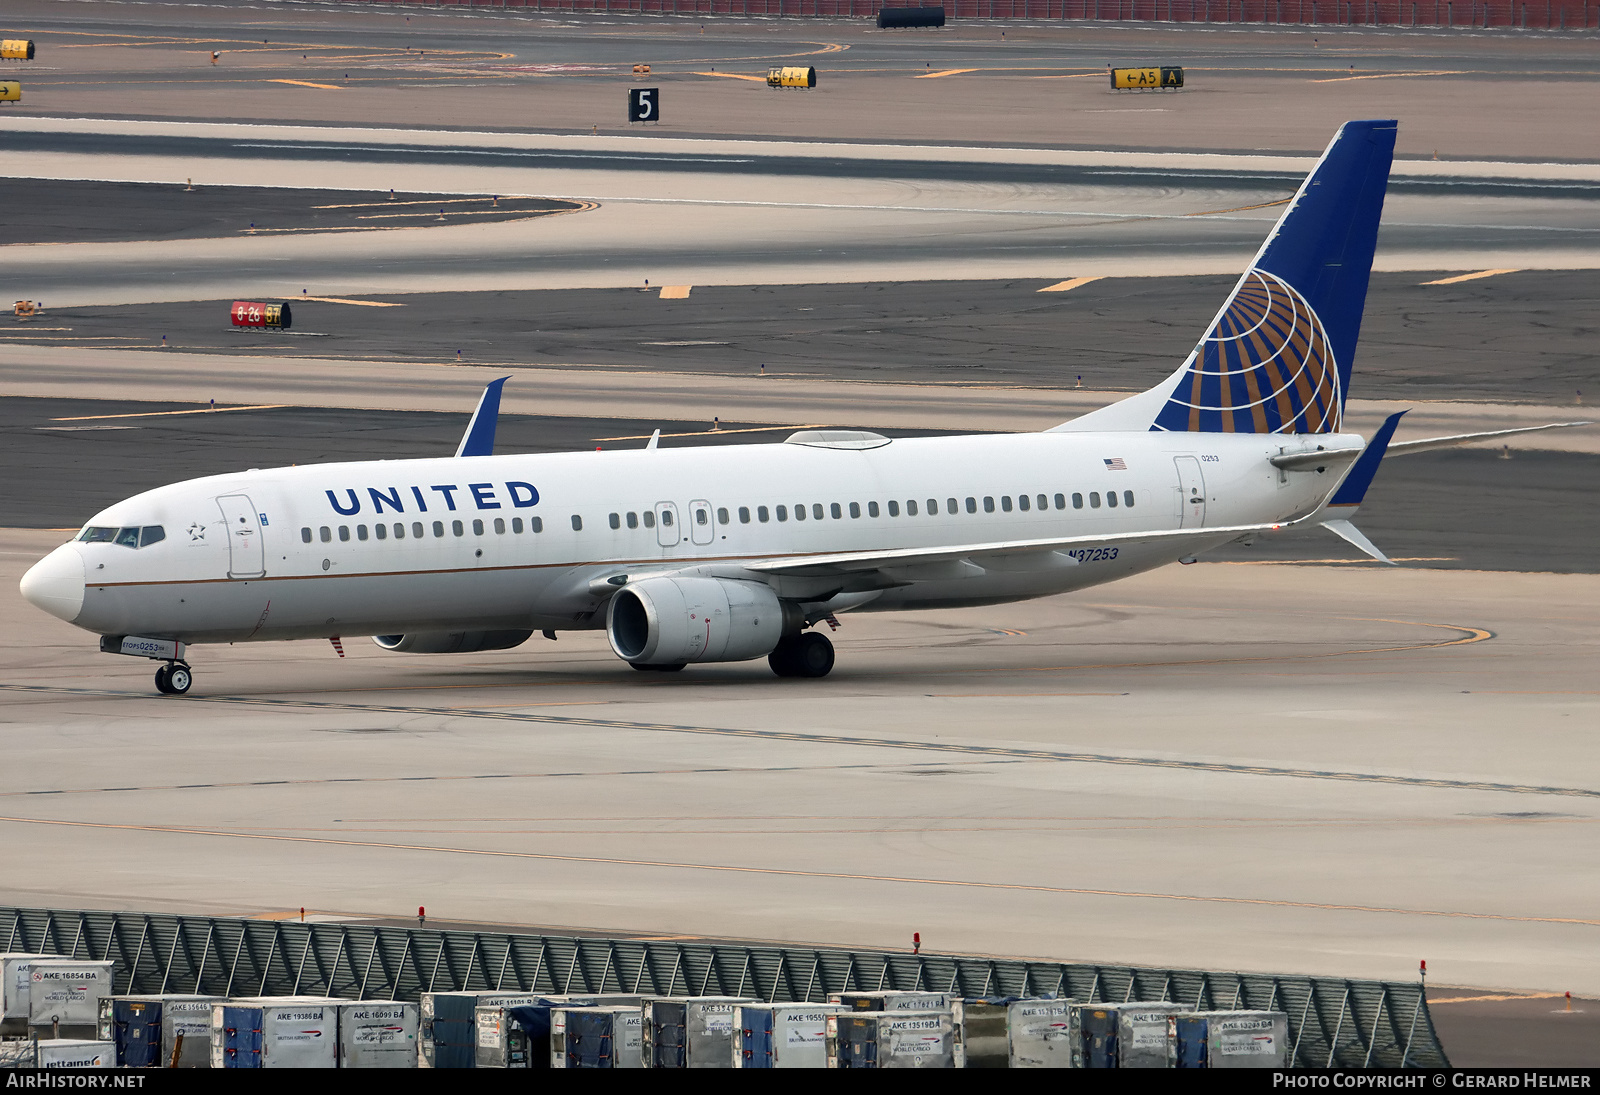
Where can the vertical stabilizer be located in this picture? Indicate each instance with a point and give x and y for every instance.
(1277, 357)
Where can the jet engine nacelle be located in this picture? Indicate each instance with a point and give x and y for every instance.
(671, 621)
(451, 642)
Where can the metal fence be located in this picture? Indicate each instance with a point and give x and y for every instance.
(1531, 14)
(1332, 1022)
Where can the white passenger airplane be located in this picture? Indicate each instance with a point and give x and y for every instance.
(728, 554)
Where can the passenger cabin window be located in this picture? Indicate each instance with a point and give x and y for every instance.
(649, 519)
(972, 505)
(1077, 500)
(438, 528)
(722, 515)
(399, 531)
(1061, 501)
(536, 524)
(416, 529)
(800, 512)
(783, 513)
(325, 534)
(911, 507)
(344, 534)
(1127, 497)
(577, 521)
(615, 520)
(500, 526)
(761, 514)
(744, 515)
(516, 525)
(1111, 499)
(305, 536)
(949, 504)
(1094, 499)
(988, 505)
(1044, 503)
(380, 531)
(477, 527)
(633, 519)
(837, 513)
(1022, 503)
(816, 510)
(361, 532)
(894, 508)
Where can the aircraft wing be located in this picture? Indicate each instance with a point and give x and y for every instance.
(851, 562)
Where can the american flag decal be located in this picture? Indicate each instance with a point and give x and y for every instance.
(1116, 463)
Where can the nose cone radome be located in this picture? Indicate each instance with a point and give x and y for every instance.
(55, 583)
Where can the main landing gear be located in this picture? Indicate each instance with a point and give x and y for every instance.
(807, 654)
(174, 679)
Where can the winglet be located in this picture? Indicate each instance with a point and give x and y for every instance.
(479, 438)
(1353, 488)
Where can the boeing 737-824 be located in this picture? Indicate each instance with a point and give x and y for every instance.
(727, 554)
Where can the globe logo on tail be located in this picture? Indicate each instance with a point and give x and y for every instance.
(1264, 367)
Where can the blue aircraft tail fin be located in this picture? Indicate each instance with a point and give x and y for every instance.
(1277, 357)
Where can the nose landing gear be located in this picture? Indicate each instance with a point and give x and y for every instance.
(174, 679)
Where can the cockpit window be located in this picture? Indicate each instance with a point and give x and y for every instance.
(128, 537)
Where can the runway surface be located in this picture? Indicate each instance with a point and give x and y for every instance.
(1308, 816)
(1247, 763)
(1421, 341)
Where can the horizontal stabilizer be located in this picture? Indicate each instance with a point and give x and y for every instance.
(1427, 444)
(1354, 487)
(1345, 530)
(479, 438)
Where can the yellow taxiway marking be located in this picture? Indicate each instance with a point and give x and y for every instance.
(1069, 76)
(442, 201)
(847, 876)
(1517, 996)
(360, 303)
(1469, 277)
(712, 433)
(733, 76)
(943, 72)
(308, 83)
(1069, 284)
(30, 330)
(675, 292)
(1390, 76)
(164, 414)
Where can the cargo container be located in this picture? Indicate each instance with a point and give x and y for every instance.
(378, 1033)
(448, 1032)
(518, 1036)
(64, 995)
(1094, 1033)
(75, 1053)
(782, 1035)
(690, 1031)
(14, 969)
(893, 1001)
(1144, 1035)
(607, 1036)
(1038, 1032)
(145, 1029)
(275, 1032)
(980, 1032)
(1231, 1039)
(891, 1039)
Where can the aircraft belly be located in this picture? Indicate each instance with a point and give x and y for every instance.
(311, 607)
